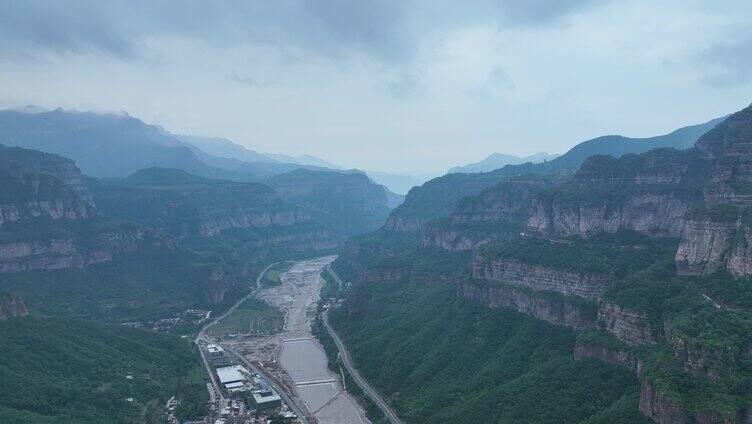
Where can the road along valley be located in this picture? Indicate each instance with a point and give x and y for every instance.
(293, 358)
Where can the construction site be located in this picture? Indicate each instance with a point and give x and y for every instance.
(260, 376)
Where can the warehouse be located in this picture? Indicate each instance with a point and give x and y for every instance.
(233, 374)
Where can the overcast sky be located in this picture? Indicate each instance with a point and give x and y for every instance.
(402, 86)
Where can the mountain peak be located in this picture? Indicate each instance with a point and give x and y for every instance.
(732, 136)
(499, 160)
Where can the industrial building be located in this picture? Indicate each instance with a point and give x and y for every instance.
(265, 397)
(232, 378)
(217, 355)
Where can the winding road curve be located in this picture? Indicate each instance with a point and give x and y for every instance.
(360, 381)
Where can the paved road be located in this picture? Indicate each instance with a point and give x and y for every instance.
(274, 385)
(202, 337)
(345, 355)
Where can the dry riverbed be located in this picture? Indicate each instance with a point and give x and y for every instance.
(294, 358)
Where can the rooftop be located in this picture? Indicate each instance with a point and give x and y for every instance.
(231, 374)
(258, 399)
(212, 348)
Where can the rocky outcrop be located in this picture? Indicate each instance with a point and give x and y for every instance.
(621, 357)
(497, 213)
(628, 325)
(655, 214)
(53, 254)
(12, 306)
(704, 245)
(739, 259)
(298, 240)
(548, 307)
(648, 193)
(536, 277)
(662, 409)
(37, 184)
(347, 201)
(457, 237)
(729, 146)
(437, 198)
(711, 363)
(252, 220)
(658, 407)
(182, 205)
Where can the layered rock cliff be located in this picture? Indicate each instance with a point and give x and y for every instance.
(494, 214)
(185, 205)
(348, 202)
(437, 199)
(631, 326)
(584, 349)
(648, 193)
(40, 185)
(537, 277)
(73, 252)
(707, 239)
(548, 307)
(717, 236)
(48, 219)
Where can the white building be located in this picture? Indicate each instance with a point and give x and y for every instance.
(233, 374)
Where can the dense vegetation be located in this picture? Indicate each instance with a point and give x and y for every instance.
(616, 255)
(71, 371)
(147, 284)
(442, 359)
(253, 316)
(272, 275)
(712, 317)
(331, 290)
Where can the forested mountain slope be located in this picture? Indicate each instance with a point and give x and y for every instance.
(643, 260)
(349, 202)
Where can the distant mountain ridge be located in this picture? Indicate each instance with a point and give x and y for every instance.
(438, 197)
(612, 145)
(500, 160)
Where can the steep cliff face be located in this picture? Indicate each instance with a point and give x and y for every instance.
(628, 325)
(648, 193)
(437, 199)
(610, 355)
(37, 184)
(182, 205)
(75, 252)
(729, 145)
(496, 213)
(536, 277)
(48, 220)
(647, 213)
(703, 362)
(704, 245)
(718, 236)
(662, 409)
(658, 407)
(739, 262)
(12, 306)
(348, 202)
(556, 310)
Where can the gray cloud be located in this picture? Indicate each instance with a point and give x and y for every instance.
(541, 11)
(59, 28)
(118, 27)
(386, 30)
(728, 64)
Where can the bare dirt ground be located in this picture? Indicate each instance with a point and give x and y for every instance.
(294, 358)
